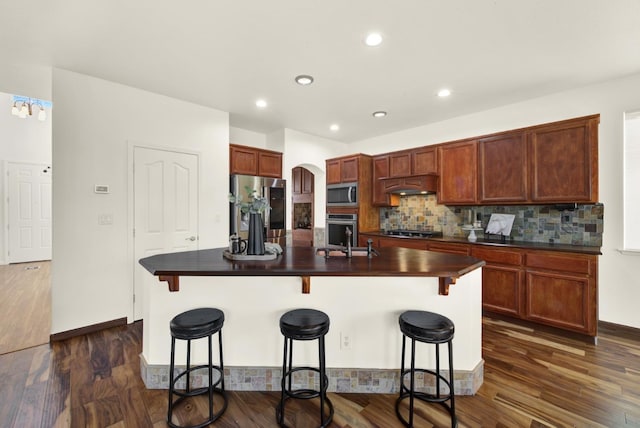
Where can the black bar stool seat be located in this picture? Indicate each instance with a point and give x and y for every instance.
(304, 324)
(432, 328)
(197, 324)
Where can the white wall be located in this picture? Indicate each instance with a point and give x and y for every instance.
(27, 80)
(21, 140)
(95, 121)
(310, 152)
(619, 275)
(244, 137)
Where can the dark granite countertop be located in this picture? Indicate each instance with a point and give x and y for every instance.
(496, 242)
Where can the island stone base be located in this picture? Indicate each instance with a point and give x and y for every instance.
(377, 381)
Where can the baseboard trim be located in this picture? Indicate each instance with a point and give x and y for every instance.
(64, 335)
(619, 330)
(343, 380)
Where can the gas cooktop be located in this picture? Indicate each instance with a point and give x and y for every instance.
(413, 233)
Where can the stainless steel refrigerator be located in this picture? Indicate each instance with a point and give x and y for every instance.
(275, 190)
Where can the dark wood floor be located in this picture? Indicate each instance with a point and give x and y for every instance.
(532, 379)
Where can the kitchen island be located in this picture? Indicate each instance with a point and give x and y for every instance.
(362, 295)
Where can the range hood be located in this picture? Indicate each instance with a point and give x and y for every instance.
(414, 185)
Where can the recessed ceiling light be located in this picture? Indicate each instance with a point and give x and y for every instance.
(444, 93)
(261, 103)
(335, 127)
(304, 79)
(379, 113)
(373, 39)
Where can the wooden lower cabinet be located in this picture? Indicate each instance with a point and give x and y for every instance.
(449, 247)
(561, 291)
(502, 280)
(553, 288)
(416, 244)
(383, 241)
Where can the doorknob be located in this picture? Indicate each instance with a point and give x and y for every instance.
(191, 238)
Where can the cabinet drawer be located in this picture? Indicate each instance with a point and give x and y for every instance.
(449, 248)
(561, 262)
(403, 243)
(505, 257)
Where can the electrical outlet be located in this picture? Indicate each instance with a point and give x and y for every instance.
(345, 341)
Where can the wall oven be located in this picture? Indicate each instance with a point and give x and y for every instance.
(342, 195)
(335, 233)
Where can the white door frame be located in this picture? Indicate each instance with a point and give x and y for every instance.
(131, 146)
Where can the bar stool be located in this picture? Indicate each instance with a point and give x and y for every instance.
(190, 325)
(426, 327)
(304, 324)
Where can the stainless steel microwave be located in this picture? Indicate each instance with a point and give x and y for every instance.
(342, 195)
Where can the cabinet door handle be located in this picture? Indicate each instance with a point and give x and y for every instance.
(191, 238)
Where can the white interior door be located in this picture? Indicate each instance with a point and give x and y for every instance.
(29, 212)
(165, 209)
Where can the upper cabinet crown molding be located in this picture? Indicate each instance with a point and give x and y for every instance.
(247, 160)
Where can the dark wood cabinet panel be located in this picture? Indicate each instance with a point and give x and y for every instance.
(308, 182)
(343, 170)
(402, 243)
(253, 161)
(296, 180)
(564, 161)
(564, 301)
(502, 280)
(458, 165)
(424, 161)
(269, 164)
(502, 168)
(333, 171)
(243, 160)
(380, 197)
(302, 181)
(562, 262)
(448, 247)
(349, 169)
(400, 164)
(502, 289)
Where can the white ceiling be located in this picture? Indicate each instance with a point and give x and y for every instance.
(227, 53)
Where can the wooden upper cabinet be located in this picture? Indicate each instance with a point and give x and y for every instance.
(333, 171)
(302, 181)
(400, 164)
(502, 168)
(342, 170)
(424, 160)
(269, 164)
(253, 161)
(458, 170)
(349, 169)
(564, 161)
(420, 161)
(380, 197)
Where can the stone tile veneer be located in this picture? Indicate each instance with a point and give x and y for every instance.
(533, 223)
(383, 381)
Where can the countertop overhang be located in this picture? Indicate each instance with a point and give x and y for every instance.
(304, 262)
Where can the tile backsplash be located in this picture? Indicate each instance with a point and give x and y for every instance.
(532, 223)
